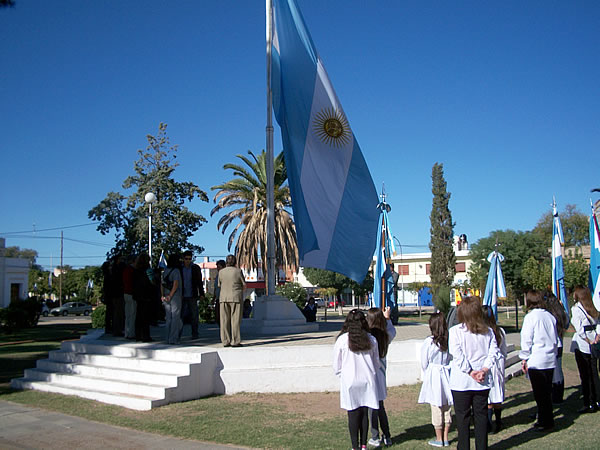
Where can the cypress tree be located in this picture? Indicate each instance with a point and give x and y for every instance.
(443, 260)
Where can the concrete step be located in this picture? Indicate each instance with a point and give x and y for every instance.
(136, 402)
(107, 372)
(97, 383)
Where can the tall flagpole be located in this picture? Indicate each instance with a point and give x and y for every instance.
(270, 278)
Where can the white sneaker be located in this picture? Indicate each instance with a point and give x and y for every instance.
(374, 442)
(387, 441)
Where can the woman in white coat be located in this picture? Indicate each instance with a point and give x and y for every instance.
(356, 362)
(473, 348)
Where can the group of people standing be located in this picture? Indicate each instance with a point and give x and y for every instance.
(464, 366)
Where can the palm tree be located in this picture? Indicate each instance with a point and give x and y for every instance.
(248, 194)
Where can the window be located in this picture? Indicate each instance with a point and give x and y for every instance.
(427, 268)
(460, 267)
(403, 269)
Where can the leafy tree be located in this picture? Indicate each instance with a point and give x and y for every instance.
(536, 275)
(443, 260)
(327, 279)
(294, 291)
(517, 247)
(574, 223)
(38, 282)
(576, 272)
(173, 224)
(25, 253)
(248, 194)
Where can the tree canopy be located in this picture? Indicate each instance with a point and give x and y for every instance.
(575, 226)
(443, 260)
(173, 224)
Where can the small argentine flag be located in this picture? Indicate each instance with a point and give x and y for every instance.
(90, 284)
(594, 280)
(162, 262)
(558, 273)
(333, 195)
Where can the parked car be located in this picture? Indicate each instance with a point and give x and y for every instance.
(76, 308)
(337, 303)
(45, 310)
(320, 302)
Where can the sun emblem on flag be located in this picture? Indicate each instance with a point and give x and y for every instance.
(331, 127)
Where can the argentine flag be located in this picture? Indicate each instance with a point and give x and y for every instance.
(333, 195)
(494, 288)
(594, 282)
(558, 273)
(384, 285)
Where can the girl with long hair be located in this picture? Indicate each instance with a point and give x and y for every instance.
(584, 317)
(356, 362)
(473, 347)
(496, 396)
(381, 327)
(435, 363)
(556, 308)
(539, 347)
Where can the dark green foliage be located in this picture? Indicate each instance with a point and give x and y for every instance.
(99, 316)
(517, 247)
(576, 273)
(206, 310)
(20, 314)
(293, 291)
(575, 226)
(443, 260)
(441, 299)
(173, 224)
(328, 279)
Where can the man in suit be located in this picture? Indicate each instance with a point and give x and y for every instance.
(193, 290)
(231, 296)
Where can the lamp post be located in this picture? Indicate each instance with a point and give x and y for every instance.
(150, 198)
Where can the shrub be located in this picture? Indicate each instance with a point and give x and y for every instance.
(20, 314)
(206, 310)
(99, 316)
(293, 291)
(441, 299)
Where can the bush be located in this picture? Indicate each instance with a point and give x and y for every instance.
(293, 291)
(206, 310)
(441, 299)
(20, 314)
(99, 316)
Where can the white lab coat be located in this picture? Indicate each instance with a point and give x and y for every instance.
(436, 375)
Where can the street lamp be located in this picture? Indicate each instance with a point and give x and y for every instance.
(150, 198)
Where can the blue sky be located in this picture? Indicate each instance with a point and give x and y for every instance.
(504, 94)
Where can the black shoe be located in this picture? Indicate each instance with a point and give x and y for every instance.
(195, 336)
(587, 410)
(237, 345)
(226, 345)
(543, 428)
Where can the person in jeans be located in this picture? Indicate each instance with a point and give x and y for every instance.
(171, 298)
(193, 290)
(539, 349)
(473, 348)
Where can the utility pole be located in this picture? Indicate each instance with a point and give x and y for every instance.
(61, 271)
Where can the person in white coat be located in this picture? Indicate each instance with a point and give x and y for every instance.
(381, 327)
(435, 364)
(356, 362)
(539, 349)
(584, 317)
(496, 396)
(473, 348)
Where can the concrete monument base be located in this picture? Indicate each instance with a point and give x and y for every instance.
(273, 314)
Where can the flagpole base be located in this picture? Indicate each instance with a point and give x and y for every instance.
(273, 314)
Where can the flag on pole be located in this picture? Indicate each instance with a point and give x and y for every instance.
(384, 283)
(90, 283)
(333, 195)
(494, 288)
(594, 279)
(558, 273)
(162, 262)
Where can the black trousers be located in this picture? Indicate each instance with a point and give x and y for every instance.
(463, 402)
(588, 372)
(541, 384)
(190, 305)
(142, 320)
(379, 417)
(358, 425)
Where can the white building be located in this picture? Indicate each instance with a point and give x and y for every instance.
(14, 277)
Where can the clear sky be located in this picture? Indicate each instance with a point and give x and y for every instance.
(505, 94)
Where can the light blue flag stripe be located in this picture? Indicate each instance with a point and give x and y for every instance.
(594, 278)
(558, 273)
(333, 195)
(494, 287)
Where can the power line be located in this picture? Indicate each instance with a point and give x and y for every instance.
(50, 229)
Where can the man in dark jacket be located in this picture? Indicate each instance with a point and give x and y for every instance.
(193, 290)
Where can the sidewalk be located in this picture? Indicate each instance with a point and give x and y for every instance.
(24, 427)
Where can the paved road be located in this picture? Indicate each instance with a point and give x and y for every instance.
(24, 427)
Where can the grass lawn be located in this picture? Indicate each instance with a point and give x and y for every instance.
(293, 421)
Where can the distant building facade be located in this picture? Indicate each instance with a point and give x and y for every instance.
(14, 277)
